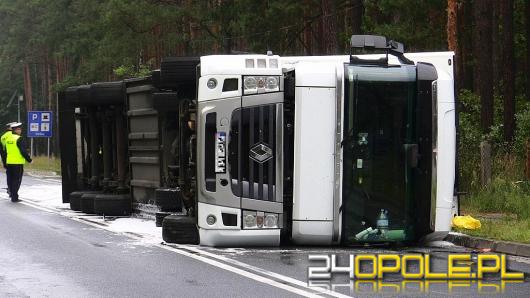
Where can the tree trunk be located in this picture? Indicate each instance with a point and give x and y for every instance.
(496, 46)
(465, 33)
(43, 96)
(527, 72)
(227, 42)
(508, 69)
(452, 41)
(51, 97)
(28, 94)
(329, 27)
(58, 79)
(357, 16)
(308, 36)
(49, 86)
(485, 163)
(460, 54)
(483, 69)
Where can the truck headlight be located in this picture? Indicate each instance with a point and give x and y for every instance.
(271, 220)
(249, 220)
(259, 220)
(271, 84)
(250, 84)
(260, 84)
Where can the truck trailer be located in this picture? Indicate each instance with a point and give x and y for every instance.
(258, 150)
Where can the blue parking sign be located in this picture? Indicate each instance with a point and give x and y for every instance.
(40, 124)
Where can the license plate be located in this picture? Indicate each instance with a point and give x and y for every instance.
(220, 152)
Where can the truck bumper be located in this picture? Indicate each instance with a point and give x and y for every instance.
(239, 238)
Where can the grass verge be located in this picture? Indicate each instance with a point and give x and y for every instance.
(507, 229)
(503, 209)
(43, 164)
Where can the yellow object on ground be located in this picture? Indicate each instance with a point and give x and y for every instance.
(466, 222)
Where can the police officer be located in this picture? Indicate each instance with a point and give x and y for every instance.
(3, 153)
(16, 158)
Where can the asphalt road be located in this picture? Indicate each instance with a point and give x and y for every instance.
(45, 254)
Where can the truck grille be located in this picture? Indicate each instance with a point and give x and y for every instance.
(251, 151)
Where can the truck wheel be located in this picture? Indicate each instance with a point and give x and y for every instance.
(159, 218)
(180, 229)
(75, 198)
(87, 202)
(168, 199)
(113, 205)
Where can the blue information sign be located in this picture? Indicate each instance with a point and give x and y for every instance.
(40, 124)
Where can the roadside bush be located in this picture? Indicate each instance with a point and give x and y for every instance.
(470, 138)
(508, 159)
(131, 71)
(502, 196)
(509, 191)
(522, 132)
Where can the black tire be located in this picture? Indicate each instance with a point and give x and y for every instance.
(161, 84)
(75, 198)
(168, 199)
(159, 218)
(87, 202)
(180, 229)
(107, 93)
(179, 69)
(113, 205)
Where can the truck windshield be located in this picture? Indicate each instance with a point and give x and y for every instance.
(378, 123)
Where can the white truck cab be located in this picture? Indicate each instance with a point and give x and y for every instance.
(325, 150)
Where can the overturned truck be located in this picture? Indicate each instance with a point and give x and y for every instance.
(262, 149)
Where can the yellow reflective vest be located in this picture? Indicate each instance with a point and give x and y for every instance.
(4, 138)
(14, 157)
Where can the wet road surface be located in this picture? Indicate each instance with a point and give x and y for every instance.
(45, 254)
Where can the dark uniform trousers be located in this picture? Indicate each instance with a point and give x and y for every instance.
(14, 179)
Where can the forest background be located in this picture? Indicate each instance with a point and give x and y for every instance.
(48, 45)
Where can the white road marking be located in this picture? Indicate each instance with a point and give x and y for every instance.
(261, 271)
(289, 284)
